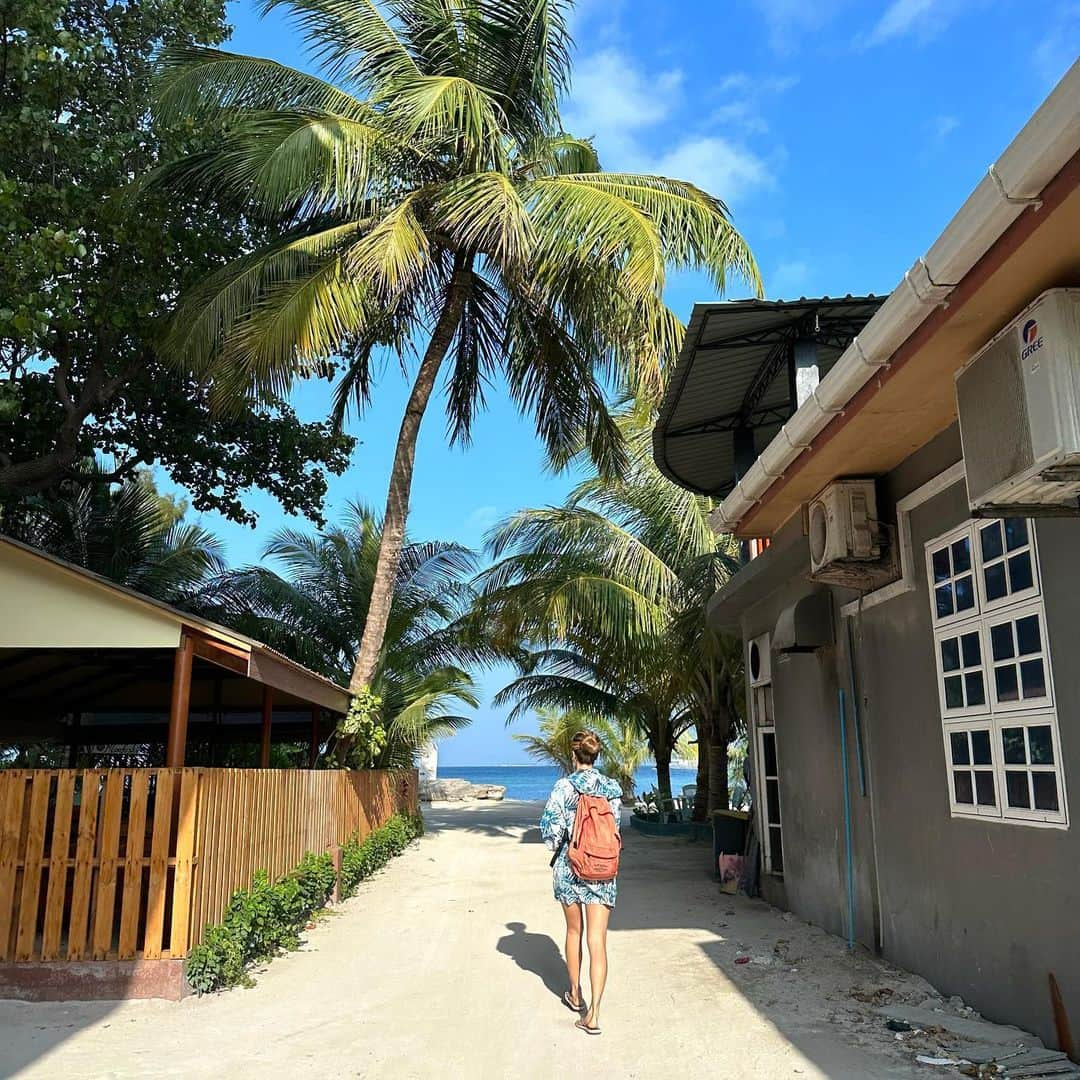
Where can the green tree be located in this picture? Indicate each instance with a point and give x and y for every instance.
(427, 196)
(623, 750)
(315, 610)
(84, 285)
(610, 589)
(123, 534)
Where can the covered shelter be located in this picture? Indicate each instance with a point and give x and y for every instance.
(744, 368)
(88, 663)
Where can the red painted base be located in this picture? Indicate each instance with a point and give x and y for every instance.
(93, 980)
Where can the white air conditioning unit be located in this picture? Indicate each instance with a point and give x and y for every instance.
(843, 525)
(759, 660)
(1018, 400)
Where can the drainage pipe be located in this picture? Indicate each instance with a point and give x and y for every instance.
(847, 823)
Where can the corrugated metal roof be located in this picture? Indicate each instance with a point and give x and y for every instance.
(734, 370)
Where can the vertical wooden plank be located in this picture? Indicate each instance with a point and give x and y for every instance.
(12, 792)
(58, 864)
(159, 865)
(84, 866)
(26, 941)
(105, 899)
(134, 861)
(180, 937)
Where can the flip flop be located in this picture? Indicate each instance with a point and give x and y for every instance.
(585, 1027)
(578, 1008)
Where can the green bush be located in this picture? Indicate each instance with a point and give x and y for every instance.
(361, 858)
(268, 917)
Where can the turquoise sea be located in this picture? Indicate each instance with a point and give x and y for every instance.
(536, 781)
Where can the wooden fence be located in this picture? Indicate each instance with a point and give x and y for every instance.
(118, 864)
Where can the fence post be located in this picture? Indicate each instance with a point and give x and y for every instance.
(335, 897)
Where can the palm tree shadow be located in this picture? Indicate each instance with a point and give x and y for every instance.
(536, 953)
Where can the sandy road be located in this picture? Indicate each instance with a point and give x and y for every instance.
(447, 965)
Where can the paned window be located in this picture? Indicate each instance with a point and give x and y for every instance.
(995, 685)
(768, 779)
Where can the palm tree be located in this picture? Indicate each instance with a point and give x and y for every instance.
(314, 610)
(623, 750)
(428, 198)
(131, 535)
(610, 590)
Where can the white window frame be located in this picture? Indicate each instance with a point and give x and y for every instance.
(975, 572)
(957, 631)
(995, 716)
(760, 731)
(1012, 615)
(1010, 597)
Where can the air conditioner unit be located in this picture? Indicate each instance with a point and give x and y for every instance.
(843, 526)
(759, 660)
(1018, 400)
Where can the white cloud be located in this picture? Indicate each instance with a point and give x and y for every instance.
(742, 98)
(1058, 48)
(922, 19)
(629, 111)
(612, 100)
(716, 165)
(944, 126)
(482, 519)
(788, 280)
(789, 21)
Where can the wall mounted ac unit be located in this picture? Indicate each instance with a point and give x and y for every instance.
(1018, 400)
(843, 525)
(759, 660)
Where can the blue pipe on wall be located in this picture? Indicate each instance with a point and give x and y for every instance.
(847, 823)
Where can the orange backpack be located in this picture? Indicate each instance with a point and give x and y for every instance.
(595, 841)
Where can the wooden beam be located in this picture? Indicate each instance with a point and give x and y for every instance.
(291, 679)
(176, 740)
(313, 749)
(217, 652)
(267, 723)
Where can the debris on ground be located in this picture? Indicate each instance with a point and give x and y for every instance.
(877, 995)
(962, 1041)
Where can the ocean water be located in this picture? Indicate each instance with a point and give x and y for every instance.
(536, 781)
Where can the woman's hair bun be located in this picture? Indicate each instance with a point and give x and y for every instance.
(585, 746)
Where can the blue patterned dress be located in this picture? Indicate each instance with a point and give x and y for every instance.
(556, 825)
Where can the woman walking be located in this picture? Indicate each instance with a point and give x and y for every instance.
(596, 897)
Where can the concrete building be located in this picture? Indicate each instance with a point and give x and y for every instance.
(913, 666)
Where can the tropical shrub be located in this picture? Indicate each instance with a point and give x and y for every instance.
(361, 858)
(268, 917)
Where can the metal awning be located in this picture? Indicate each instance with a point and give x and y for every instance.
(734, 384)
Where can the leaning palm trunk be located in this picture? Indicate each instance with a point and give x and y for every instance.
(401, 475)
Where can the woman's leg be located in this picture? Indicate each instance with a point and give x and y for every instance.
(596, 918)
(572, 912)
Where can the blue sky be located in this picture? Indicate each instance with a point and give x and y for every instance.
(843, 135)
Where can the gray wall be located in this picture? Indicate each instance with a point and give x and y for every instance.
(984, 909)
(810, 754)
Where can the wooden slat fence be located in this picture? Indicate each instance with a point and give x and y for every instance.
(119, 864)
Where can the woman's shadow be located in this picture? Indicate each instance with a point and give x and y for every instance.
(536, 953)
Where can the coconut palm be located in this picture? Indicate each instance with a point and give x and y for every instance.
(129, 534)
(313, 612)
(622, 749)
(610, 590)
(429, 199)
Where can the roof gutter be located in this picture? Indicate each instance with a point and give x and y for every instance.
(1013, 183)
